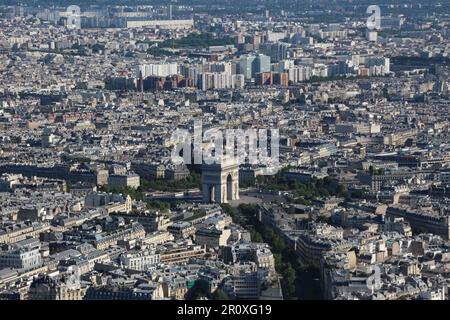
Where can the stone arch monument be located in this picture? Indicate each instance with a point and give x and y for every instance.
(220, 181)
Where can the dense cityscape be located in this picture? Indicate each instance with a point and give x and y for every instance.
(107, 193)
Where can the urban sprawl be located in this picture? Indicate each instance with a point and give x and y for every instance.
(93, 207)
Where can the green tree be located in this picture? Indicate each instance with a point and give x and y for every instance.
(219, 294)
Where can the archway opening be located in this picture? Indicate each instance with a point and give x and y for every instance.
(229, 187)
(212, 194)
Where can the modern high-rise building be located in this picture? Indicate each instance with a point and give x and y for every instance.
(246, 66)
(159, 69)
(262, 64)
(300, 73)
(250, 65)
(277, 51)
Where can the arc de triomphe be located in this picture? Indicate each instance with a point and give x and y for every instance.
(220, 181)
